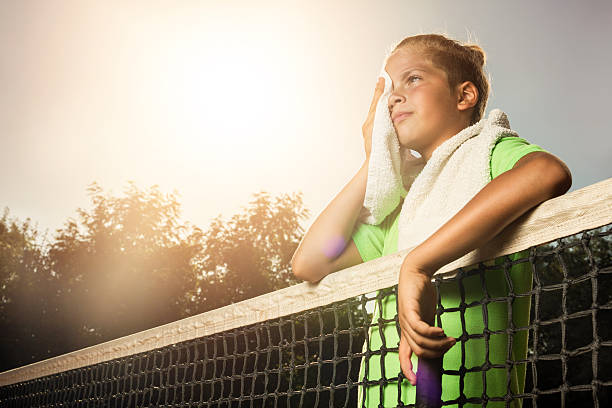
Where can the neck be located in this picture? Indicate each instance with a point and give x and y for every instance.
(427, 151)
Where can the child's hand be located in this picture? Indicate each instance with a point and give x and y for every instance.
(369, 123)
(405, 355)
(416, 311)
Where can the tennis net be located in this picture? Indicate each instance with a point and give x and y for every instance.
(324, 344)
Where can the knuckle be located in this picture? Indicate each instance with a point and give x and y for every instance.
(421, 342)
(441, 347)
(437, 346)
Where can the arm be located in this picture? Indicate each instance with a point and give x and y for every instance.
(317, 254)
(535, 178)
(327, 246)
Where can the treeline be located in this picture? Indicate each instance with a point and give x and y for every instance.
(129, 263)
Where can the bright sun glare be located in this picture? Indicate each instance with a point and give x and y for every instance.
(226, 95)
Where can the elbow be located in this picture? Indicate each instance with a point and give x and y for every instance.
(559, 177)
(297, 270)
(304, 271)
(296, 266)
(546, 171)
(565, 183)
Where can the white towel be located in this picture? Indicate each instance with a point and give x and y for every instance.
(385, 182)
(457, 170)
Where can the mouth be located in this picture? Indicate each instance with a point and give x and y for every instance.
(401, 117)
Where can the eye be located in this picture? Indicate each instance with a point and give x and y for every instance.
(413, 78)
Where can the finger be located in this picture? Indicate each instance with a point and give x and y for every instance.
(380, 87)
(421, 327)
(437, 343)
(405, 352)
(435, 338)
(428, 352)
(420, 344)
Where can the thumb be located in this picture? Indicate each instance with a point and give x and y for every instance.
(405, 353)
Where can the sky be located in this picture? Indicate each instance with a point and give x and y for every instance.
(219, 100)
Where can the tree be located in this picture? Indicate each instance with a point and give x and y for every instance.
(128, 264)
(124, 266)
(24, 282)
(250, 254)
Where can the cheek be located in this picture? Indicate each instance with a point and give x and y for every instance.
(439, 103)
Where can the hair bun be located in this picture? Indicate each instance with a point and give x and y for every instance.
(477, 53)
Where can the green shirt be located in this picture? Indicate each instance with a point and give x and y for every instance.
(373, 241)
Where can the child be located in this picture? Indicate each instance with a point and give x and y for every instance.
(439, 91)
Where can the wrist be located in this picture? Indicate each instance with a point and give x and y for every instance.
(363, 170)
(412, 266)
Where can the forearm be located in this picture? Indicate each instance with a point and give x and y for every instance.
(329, 234)
(500, 202)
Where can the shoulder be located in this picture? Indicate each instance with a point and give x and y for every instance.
(507, 151)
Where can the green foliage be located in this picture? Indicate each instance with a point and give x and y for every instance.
(128, 264)
(125, 265)
(250, 254)
(24, 283)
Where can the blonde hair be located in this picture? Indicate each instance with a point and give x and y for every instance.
(461, 62)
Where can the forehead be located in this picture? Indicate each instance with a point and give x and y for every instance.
(409, 58)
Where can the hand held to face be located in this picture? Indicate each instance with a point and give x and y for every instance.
(368, 125)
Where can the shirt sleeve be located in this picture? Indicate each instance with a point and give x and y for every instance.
(508, 151)
(369, 240)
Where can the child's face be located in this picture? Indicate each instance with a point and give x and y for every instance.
(421, 90)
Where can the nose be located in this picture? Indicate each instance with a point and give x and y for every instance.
(393, 99)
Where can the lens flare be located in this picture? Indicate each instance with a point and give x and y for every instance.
(334, 247)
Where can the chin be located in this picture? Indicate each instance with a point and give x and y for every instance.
(408, 143)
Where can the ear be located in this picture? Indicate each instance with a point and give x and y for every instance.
(467, 95)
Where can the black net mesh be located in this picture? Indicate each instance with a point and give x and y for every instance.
(342, 354)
